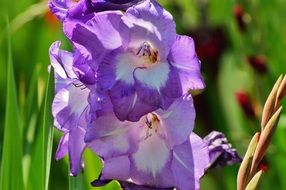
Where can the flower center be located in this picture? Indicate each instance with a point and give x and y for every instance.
(152, 124)
(147, 52)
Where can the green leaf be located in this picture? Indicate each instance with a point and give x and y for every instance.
(11, 166)
(76, 182)
(36, 174)
(42, 146)
(48, 129)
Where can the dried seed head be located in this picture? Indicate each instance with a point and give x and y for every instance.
(255, 181)
(270, 103)
(242, 177)
(281, 92)
(264, 141)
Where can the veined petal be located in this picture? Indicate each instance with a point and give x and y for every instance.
(158, 86)
(116, 168)
(93, 34)
(131, 186)
(68, 108)
(62, 149)
(110, 137)
(183, 58)
(190, 160)
(150, 164)
(84, 67)
(61, 61)
(178, 120)
(221, 152)
(76, 147)
(60, 8)
(103, 5)
(126, 103)
(71, 9)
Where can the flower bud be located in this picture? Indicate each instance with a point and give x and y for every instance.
(238, 12)
(258, 63)
(246, 104)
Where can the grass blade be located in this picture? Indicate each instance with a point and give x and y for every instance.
(36, 174)
(11, 166)
(48, 129)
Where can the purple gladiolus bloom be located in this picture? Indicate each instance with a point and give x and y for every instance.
(70, 107)
(158, 151)
(142, 63)
(220, 151)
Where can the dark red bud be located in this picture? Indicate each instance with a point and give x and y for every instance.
(264, 167)
(246, 104)
(238, 12)
(258, 63)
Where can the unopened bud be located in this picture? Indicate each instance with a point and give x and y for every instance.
(238, 12)
(245, 103)
(258, 63)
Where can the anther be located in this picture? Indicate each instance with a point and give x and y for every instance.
(144, 50)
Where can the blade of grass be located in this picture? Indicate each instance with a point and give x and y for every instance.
(11, 165)
(36, 173)
(30, 116)
(48, 129)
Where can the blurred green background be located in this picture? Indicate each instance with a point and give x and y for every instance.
(242, 48)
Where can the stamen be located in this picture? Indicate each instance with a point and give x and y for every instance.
(149, 124)
(79, 85)
(148, 134)
(152, 123)
(144, 50)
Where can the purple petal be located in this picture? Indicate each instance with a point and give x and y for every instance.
(93, 34)
(190, 160)
(99, 104)
(220, 151)
(158, 86)
(103, 5)
(107, 70)
(84, 68)
(148, 21)
(178, 120)
(62, 147)
(61, 61)
(83, 9)
(126, 102)
(183, 57)
(116, 168)
(98, 182)
(132, 186)
(111, 137)
(60, 8)
(71, 9)
(76, 147)
(68, 109)
(150, 164)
